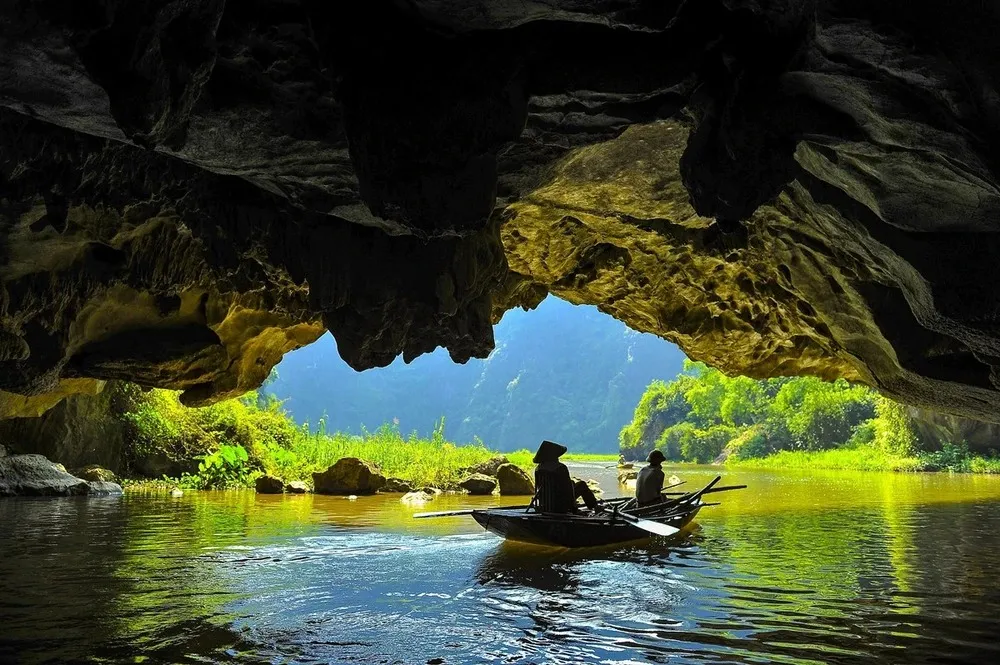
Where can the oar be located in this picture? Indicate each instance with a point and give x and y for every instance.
(704, 490)
(711, 491)
(469, 511)
(655, 528)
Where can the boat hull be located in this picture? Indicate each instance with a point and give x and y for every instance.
(568, 530)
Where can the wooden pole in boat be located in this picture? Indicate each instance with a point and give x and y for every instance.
(466, 511)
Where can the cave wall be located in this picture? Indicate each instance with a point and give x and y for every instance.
(191, 188)
(76, 432)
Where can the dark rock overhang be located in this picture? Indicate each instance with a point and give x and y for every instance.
(189, 189)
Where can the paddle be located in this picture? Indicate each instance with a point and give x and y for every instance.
(711, 491)
(655, 528)
(469, 511)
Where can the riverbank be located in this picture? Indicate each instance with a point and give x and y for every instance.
(952, 459)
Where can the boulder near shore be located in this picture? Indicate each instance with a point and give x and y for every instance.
(36, 475)
(349, 475)
(514, 481)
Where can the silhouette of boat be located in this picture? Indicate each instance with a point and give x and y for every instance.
(570, 530)
(614, 524)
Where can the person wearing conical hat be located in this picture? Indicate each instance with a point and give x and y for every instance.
(555, 491)
(649, 484)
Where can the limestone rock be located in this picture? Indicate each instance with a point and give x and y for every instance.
(34, 475)
(479, 484)
(422, 495)
(396, 486)
(489, 467)
(93, 472)
(349, 475)
(103, 488)
(296, 487)
(514, 481)
(625, 475)
(269, 485)
(181, 211)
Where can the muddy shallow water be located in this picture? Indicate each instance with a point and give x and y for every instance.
(802, 567)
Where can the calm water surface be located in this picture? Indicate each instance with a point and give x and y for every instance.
(803, 568)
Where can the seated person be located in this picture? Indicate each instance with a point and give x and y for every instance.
(649, 484)
(555, 491)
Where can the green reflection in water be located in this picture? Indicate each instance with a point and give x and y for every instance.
(800, 567)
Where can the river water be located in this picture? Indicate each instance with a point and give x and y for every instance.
(800, 568)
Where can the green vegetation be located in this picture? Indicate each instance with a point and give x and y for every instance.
(704, 416)
(524, 456)
(233, 442)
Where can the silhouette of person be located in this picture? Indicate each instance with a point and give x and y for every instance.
(649, 484)
(555, 491)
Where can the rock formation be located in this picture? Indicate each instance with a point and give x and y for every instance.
(34, 475)
(188, 190)
(479, 484)
(514, 481)
(349, 475)
(269, 485)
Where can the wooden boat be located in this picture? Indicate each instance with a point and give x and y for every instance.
(568, 530)
(619, 520)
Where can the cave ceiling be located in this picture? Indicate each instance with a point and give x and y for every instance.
(190, 189)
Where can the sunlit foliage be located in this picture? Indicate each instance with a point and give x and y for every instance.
(233, 442)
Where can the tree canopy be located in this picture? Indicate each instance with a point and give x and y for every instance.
(704, 414)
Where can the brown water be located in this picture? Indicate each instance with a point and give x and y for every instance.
(802, 567)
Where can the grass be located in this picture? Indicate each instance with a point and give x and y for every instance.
(523, 457)
(421, 461)
(861, 458)
(238, 440)
(952, 458)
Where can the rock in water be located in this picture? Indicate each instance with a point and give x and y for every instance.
(396, 486)
(422, 495)
(269, 485)
(104, 488)
(95, 473)
(625, 475)
(297, 487)
(3, 451)
(34, 475)
(514, 481)
(349, 475)
(479, 484)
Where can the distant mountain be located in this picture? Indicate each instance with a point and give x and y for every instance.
(567, 373)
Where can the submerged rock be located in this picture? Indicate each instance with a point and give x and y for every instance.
(422, 495)
(514, 481)
(625, 475)
(269, 485)
(103, 488)
(297, 487)
(35, 475)
(479, 484)
(95, 473)
(349, 475)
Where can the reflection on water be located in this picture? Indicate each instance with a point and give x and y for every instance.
(800, 568)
